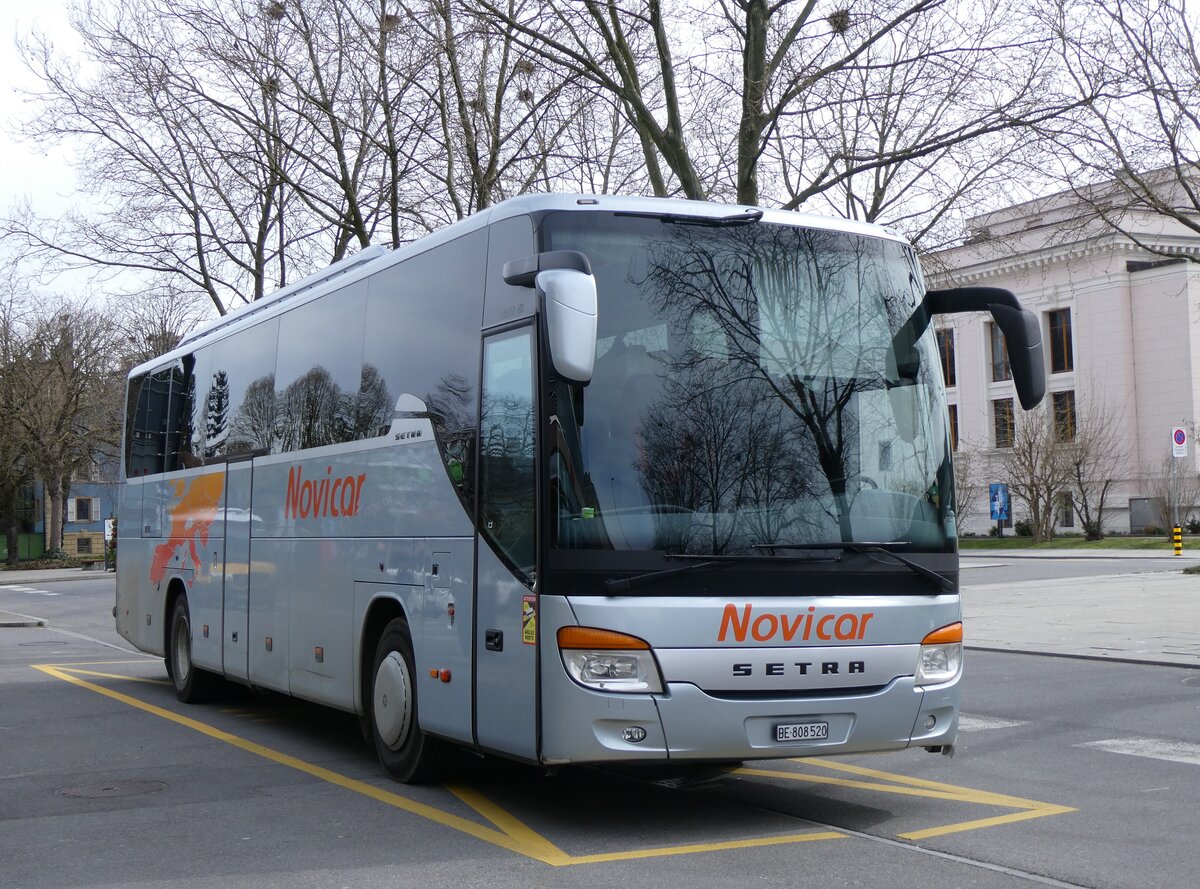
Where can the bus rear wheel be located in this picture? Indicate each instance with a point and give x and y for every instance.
(408, 754)
(192, 685)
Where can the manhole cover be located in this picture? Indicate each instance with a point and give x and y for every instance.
(1192, 680)
(112, 789)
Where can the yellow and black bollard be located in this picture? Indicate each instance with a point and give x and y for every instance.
(1177, 539)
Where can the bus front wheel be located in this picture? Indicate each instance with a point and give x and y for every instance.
(408, 754)
(192, 685)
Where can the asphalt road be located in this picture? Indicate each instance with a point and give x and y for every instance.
(1068, 773)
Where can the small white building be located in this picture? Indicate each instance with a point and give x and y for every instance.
(1121, 331)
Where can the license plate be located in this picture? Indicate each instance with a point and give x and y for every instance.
(802, 731)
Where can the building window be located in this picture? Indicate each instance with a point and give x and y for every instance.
(953, 410)
(1065, 510)
(83, 509)
(1062, 359)
(945, 341)
(1002, 422)
(885, 456)
(83, 545)
(1000, 366)
(1064, 416)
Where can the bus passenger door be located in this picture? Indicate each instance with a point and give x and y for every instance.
(505, 605)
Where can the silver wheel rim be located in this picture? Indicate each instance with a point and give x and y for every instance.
(392, 701)
(183, 650)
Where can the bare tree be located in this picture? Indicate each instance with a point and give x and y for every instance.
(1175, 492)
(1136, 148)
(970, 489)
(1034, 468)
(934, 117)
(1093, 462)
(183, 188)
(15, 470)
(867, 102)
(153, 322)
(66, 398)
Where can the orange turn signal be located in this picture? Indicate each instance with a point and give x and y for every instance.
(592, 638)
(949, 633)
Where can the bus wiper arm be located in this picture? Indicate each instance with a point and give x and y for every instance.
(621, 584)
(928, 573)
(752, 214)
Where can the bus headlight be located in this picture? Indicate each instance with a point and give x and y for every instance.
(941, 656)
(608, 661)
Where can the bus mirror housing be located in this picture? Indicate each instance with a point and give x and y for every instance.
(1022, 335)
(570, 302)
(567, 293)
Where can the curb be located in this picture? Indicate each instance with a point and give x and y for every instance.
(51, 575)
(1145, 662)
(9, 619)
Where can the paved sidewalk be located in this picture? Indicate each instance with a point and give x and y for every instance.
(51, 575)
(1153, 617)
(1144, 617)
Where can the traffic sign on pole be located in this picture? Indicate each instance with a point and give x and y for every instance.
(1178, 442)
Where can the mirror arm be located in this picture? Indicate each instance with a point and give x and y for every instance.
(1022, 335)
(523, 272)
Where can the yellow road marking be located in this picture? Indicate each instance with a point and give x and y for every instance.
(707, 847)
(79, 672)
(479, 831)
(514, 835)
(146, 659)
(904, 785)
(511, 834)
(518, 830)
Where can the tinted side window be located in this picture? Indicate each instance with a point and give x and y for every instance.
(508, 239)
(194, 436)
(507, 456)
(174, 421)
(135, 442)
(319, 372)
(422, 338)
(241, 397)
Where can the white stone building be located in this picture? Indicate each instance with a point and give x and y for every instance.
(1121, 330)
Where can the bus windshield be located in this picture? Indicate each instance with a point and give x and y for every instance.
(756, 386)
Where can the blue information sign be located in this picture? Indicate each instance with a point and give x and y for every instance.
(998, 497)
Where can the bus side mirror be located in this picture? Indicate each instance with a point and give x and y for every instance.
(570, 302)
(1022, 335)
(567, 294)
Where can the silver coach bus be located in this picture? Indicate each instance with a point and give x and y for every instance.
(578, 479)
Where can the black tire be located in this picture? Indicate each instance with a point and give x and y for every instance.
(192, 685)
(407, 753)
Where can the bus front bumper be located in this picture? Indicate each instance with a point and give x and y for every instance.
(686, 724)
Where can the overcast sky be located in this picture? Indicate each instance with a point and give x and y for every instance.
(26, 170)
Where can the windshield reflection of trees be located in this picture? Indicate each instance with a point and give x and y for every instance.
(787, 328)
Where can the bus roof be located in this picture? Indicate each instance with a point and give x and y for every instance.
(377, 257)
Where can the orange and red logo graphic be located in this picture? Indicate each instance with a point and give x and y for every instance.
(193, 510)
(336, 496)
(765, 626)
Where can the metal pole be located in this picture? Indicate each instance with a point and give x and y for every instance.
(1174, 493)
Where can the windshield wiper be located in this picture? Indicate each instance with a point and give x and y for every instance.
(752, 214)
(621, 584)
(867, 548)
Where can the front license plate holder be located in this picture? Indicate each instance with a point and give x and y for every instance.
(790, 732)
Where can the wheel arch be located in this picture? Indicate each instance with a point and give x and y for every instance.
(175, 590)
(381, 611)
